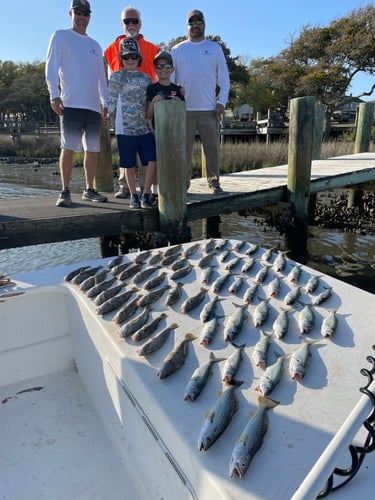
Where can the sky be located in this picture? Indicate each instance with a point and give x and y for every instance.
(249, 28)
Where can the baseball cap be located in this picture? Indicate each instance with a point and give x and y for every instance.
(196, 13)
(163, 55)
(129, 46)
(82, 4)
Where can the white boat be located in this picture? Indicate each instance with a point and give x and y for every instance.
(83, 416)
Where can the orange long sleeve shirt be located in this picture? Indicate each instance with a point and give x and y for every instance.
(148, 52)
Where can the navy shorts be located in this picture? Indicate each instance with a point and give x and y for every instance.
(130, 145)
(80, 129)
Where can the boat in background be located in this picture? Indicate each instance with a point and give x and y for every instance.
(84, 416)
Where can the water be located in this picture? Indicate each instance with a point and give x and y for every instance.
(346, 256)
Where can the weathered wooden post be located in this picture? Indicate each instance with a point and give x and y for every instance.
(365, 118)
(170, 135)
(301, 126)
(104, 171)
(318, 130)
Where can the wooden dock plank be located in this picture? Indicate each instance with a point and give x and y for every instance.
(28, 221)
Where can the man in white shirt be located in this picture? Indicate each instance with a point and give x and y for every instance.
(78, 90)
(200, 66)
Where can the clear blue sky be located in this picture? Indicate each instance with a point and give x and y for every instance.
(249, 28)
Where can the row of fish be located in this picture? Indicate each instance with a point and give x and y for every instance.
(150, 275)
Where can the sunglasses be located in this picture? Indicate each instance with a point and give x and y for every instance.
(84, 13)
(195, 22)
(133, 57)
(131, 20)
(163, 66)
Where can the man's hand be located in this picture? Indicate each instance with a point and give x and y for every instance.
(57, 106)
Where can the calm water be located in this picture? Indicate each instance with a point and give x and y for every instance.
(346, 256)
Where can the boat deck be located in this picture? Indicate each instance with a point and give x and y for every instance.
(52, 441)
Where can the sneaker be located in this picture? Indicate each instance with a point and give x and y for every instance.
(154, 199)
(64, 200)
(92, 195)
(134, 201)
(122, 193)
(145, 201)
(216, 190)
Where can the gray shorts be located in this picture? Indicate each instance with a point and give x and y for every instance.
(80, 129)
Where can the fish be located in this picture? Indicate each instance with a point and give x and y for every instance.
(144, 274)
(181, 273)
(251, 438)
(260, 350)
(156, 258)
(179, 264)
(220, 244)
(253, 247)
(167, 261)
(126, 311)
(224, 255)
(116, 270)
(93, 280)
(235, 322)
(154, 282)
(173, 250)
(312, 284)
(130, 271)
(208, 331)
(292, 295)
(323, 296)
(174, 295)
(205, 260)
(231, 264)
(115, 261)
(148, 329)
(156, 342)
(295, 273)
(261, 312)
(300, 359)
(232, 363)
(209, 245)
(329, 325)
(153, 296)
(199, 378)
(189, 251)
(141, 257)
(115, 302)
(266, 255)
(236, 285)
(271, 376)
(74, 273)
(135, 324)
(218, 284)
(218, 417)
(306, 319)
(206, 275)
(250, 293)
(176, 358)
(194, 301)
(280, 262)
(274, 287)
(262, 274)
(100, 287)
(238, 245)
(108, 293)
(281, 324)
(86, 273)
(248, 265)
(208, 310)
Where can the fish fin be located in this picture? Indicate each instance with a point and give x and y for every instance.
(267, 402)
(174, 325)
(190, 336)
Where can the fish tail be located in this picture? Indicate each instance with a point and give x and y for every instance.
(267, 402)
(190, 336)
(174, 325)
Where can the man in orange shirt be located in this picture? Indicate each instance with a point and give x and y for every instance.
(131, 23)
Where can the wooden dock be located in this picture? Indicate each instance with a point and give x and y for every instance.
(29, 221)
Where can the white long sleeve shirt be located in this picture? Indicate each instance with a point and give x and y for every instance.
(75, 71)
(199, 67)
